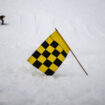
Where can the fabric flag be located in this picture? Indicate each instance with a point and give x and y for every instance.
(50, 54)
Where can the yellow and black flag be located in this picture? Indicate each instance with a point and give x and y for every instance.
(50, 54)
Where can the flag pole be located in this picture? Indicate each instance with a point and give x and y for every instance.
(76, 58)
(79, 62)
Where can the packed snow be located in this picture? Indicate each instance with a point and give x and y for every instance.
(29, 23)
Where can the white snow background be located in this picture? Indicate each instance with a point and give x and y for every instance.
(30, 22)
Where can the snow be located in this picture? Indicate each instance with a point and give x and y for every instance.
(30, 22)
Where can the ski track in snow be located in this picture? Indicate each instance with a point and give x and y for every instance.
(29, 24)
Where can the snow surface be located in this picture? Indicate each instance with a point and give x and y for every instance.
(30, 22)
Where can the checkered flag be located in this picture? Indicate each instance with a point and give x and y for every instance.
(50, 54)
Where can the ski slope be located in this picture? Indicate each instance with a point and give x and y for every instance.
(30, 22)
